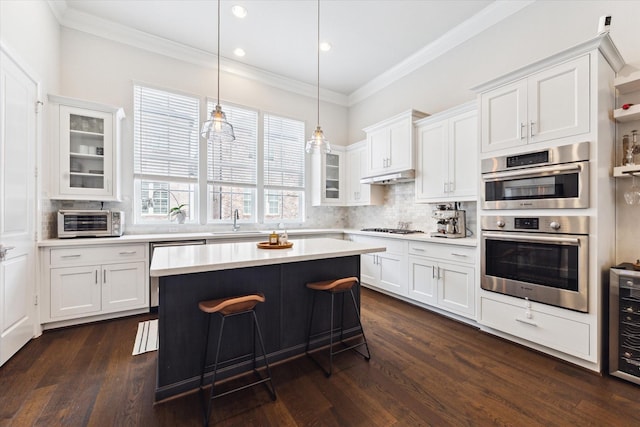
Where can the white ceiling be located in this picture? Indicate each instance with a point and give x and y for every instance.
(372, 40)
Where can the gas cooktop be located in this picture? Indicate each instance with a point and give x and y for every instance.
(392, 230)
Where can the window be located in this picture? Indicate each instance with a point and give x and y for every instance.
(166, 136)
(262, 178)
(232, 168)
(283, 168)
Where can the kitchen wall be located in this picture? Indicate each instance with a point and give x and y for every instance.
(537, 31)
(30, 34)
(104, 71)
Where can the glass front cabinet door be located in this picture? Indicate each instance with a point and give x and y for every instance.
(87, 138)
(327, 178)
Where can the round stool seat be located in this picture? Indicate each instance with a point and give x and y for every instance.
(334, 285)
(231, 305)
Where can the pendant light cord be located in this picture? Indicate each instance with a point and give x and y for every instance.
(218, 52)
(318, 50)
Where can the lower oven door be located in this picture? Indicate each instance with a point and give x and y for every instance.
(547, 268)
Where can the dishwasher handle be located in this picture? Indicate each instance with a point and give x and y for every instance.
(178, 243)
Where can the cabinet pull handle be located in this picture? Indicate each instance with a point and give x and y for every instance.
(444, 187)
(531, 123)
(70, 256)
(460, 255)
(419, 249)
(104, 276)
(452, 187)
(96, 274)
(433, 271)
(522, 133)
(128, 252)
(438, 272)
(526, 321)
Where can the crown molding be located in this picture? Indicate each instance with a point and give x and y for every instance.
(91, 24)
(487, 17)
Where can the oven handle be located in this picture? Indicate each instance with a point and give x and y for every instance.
(572, 240)
(527, 173)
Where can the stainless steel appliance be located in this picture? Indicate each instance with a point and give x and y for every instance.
(556, 177)
(154, 281)
(544, 259)
(90, 223)
(450, 223)
(624, 322)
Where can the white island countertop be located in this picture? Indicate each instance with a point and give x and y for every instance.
(170, 261)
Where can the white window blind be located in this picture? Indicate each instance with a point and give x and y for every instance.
(283, 153)
(166, 133)
(235, 163)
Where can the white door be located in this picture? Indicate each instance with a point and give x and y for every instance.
(559, 101)
(503, 113)
(463, 155)
(123, 286)
(423, 279)
(400, 145)
(431, 171)
(378, 143)
(18, 125)
(456, 288)
(75, 291)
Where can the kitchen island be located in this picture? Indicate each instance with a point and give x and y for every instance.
(189, 274)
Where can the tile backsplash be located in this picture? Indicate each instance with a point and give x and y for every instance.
(399, 206)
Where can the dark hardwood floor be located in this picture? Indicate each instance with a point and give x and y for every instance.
(425, 370)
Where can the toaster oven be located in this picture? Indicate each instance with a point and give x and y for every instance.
(90, 223)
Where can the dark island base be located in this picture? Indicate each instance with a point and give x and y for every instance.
(283, 317)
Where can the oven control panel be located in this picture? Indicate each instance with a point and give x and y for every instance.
(537, 224)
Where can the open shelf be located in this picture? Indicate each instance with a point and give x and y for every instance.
(626, 171)
(633, 113)
(627, 84)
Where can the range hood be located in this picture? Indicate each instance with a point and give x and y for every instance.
(390, 178)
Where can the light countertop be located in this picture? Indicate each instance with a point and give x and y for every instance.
(169, 261)
(226, 236)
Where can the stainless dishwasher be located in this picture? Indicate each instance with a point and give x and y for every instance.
(153, 281)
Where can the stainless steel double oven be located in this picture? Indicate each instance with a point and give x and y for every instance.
(543, 258)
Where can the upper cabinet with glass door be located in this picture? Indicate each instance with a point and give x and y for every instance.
(85, 162)
(327, 178)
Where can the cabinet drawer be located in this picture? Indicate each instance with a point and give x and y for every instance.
(443, 252)
(96, 254)
(562, 334)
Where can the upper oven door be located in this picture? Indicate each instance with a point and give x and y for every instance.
(548, 268)
(545, 187)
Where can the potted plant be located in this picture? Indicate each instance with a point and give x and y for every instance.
(178, 213)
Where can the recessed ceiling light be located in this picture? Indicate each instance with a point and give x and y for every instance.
(239, 11)
(325, 46)
(239, 52)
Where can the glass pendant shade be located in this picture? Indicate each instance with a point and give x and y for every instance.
(318, 142)
(217, 129)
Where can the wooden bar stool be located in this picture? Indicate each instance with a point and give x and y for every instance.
(333, 287)
(226, 308)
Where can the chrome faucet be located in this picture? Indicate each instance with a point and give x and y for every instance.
(236, 217)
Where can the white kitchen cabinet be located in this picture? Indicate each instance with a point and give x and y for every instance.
(81, 282)
(549, 104)
(443, 276)
(447, 156)
(356, 165)
(538, 323)
(390, 144)
(327, 181)
(86, 144)
(385, 270)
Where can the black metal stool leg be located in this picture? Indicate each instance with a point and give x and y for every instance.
(272, 390)
(313, 306)
(364, 338)
(215, 371)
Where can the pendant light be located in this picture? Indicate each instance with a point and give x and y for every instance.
(217, 128)
(318, 141)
